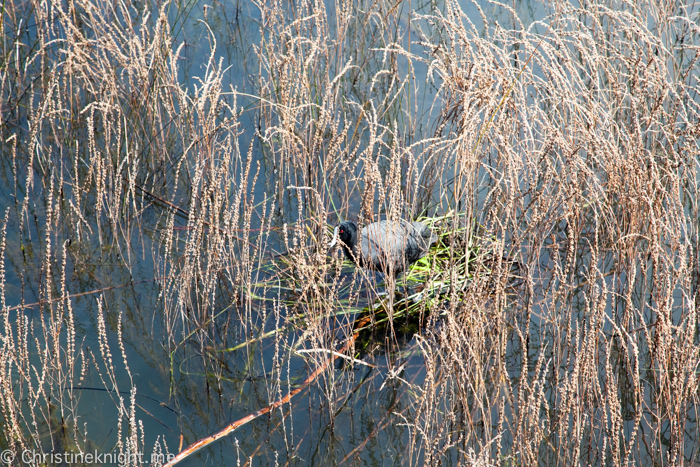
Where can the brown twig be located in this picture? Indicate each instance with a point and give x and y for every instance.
(196, 446)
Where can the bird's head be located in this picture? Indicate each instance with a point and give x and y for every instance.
(346, 232)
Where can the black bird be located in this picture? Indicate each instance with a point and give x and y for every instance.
(387, 246)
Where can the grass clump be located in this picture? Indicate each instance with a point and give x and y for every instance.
(554, 323)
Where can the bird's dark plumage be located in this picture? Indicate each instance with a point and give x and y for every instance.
(385, 246)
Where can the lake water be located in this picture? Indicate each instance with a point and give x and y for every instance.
(204, 352)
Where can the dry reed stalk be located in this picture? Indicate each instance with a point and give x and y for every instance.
(573, 140)
(563, 175)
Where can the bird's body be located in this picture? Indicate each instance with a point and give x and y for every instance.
(385, 246)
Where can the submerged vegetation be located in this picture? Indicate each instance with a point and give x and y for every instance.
(171, 173)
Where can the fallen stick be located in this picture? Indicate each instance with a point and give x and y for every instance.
(196, 446)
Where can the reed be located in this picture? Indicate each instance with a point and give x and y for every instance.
(555, 323)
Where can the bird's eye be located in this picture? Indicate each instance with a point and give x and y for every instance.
(342, 230)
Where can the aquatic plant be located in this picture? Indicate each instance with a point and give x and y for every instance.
(180, 210)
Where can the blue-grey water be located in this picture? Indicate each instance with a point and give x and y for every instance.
(187, 391)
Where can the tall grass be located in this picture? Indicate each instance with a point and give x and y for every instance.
(562, 151)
